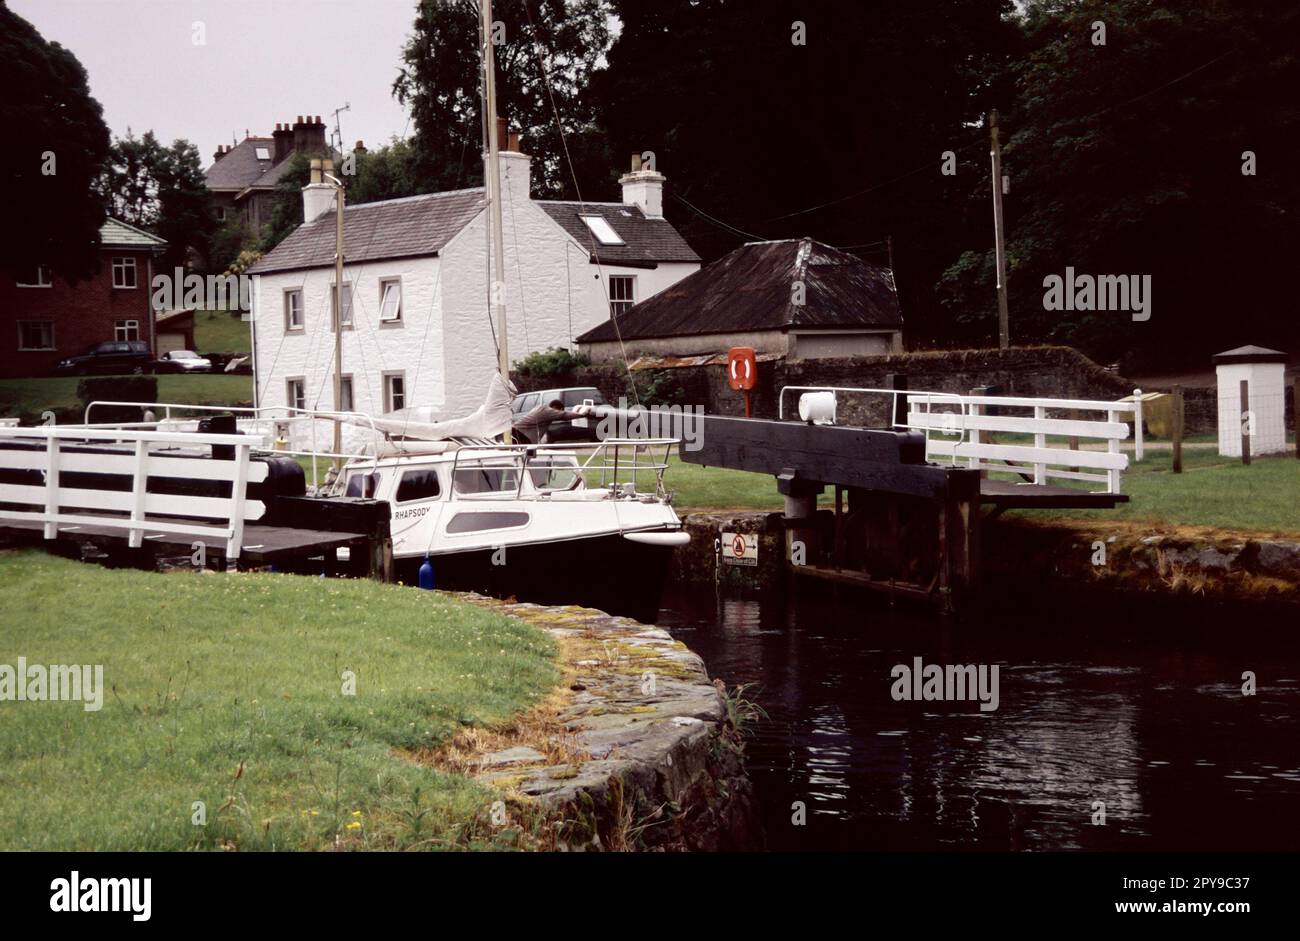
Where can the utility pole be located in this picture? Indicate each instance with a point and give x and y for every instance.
(494, 194)
(995, 151)
(327, 166)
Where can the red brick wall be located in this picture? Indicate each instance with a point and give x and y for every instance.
(83, 313)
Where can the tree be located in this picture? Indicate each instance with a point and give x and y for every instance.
(564, 39)
(1128, 158)
(162, 190)
(58, 142)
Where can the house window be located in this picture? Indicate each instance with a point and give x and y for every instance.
(123, 272)
(296, 393)
(603, 231)
(36, 334)
(622, 293)
(345, 396)
(347, 303)
(37, 277)
(390, 301)
(126, 330)
(263, 153)
(293, 310)
(394, 391)
(220, 213)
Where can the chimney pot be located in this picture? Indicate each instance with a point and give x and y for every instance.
(361, 147)
(636, 162)
(318, 120)
(299, 121)
(502, 134)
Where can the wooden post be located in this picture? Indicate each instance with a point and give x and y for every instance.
(1245, 421)
(1295, 416)
(1178, 429)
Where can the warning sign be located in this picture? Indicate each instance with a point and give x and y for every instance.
(740, 548)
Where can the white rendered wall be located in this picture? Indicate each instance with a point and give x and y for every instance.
(369, 348)
(1267, 402)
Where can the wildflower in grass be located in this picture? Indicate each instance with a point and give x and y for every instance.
(354, 825)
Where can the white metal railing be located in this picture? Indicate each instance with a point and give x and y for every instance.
(959, 427)
(144, 454)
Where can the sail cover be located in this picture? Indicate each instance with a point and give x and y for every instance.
(490, 419)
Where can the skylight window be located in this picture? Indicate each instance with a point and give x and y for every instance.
(603, 231)
(263, 153)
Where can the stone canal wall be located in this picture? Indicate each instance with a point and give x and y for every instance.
(640, 750)
(1036, 553)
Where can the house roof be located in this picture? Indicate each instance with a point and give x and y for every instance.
(1249, 354)
(647, 241)
(117, 234)
(239, 167)
(752, 289)
(389, 228)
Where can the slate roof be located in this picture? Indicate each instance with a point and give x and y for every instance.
(752, 289)
(648, 241)
(1249, 354)
(117, 234)
(389, 228)
(239, 168)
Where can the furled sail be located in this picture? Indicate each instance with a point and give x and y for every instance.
(490, 419)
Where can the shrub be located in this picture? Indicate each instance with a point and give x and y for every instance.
(556, 363)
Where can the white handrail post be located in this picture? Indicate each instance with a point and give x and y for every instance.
(1040, 441)
(237, 487)
(976, 437)
(1112, 447)
(51, 484)
(139, 489)
(1137, 424)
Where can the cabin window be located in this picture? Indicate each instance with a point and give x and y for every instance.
(390, 301)
(124, 272)
(418, 485)
(603, 231)
(35, 277)
(363, 485)
(477, 522)
(487, 479)
(126, 330)
(296, 393)
(36, 334)
(394, 391)
(293, 310)
(553, 473)
(622, 293)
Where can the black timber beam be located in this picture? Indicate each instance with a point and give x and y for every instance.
(867, 458)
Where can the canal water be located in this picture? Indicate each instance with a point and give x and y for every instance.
(1140, 709)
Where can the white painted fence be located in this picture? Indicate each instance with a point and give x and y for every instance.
(144, 455)
(959, 427)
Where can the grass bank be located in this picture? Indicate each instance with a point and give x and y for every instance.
(229, 690)
(218, 332)
(1211, 491)
(28, 398)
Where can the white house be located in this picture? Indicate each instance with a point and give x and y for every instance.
(416, 313)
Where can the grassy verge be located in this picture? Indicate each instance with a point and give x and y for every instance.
(1211, 491)
(28, 398)
(218, 332)
(228, 689)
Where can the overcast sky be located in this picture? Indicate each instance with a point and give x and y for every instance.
(264, 61)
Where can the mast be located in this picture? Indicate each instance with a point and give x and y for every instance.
(498, 290)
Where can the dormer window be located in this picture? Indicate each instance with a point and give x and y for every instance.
(263, 153)
(602, 230)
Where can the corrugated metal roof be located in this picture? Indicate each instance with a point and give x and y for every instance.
(117, 234)
(647, 241)
(752, 289)
(390, 228)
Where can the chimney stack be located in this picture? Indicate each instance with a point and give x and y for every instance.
(644, 188)
(360, 148)
(318, 195)
(309, 135)
(283, 137)
(221, 152)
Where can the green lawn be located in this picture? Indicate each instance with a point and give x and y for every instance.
(28, 398)
(218, 332)
(228, 689)
(1212, 491)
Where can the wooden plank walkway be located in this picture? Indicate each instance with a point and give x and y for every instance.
(1008, 495)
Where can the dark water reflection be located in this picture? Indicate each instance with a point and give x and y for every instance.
(1145, 716)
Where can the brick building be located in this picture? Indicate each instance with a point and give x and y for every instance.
(44, 318)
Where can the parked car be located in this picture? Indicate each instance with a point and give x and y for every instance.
(183, 361)
(583, 429)
(110, 357)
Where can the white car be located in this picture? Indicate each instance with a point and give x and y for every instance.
(183, 361)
